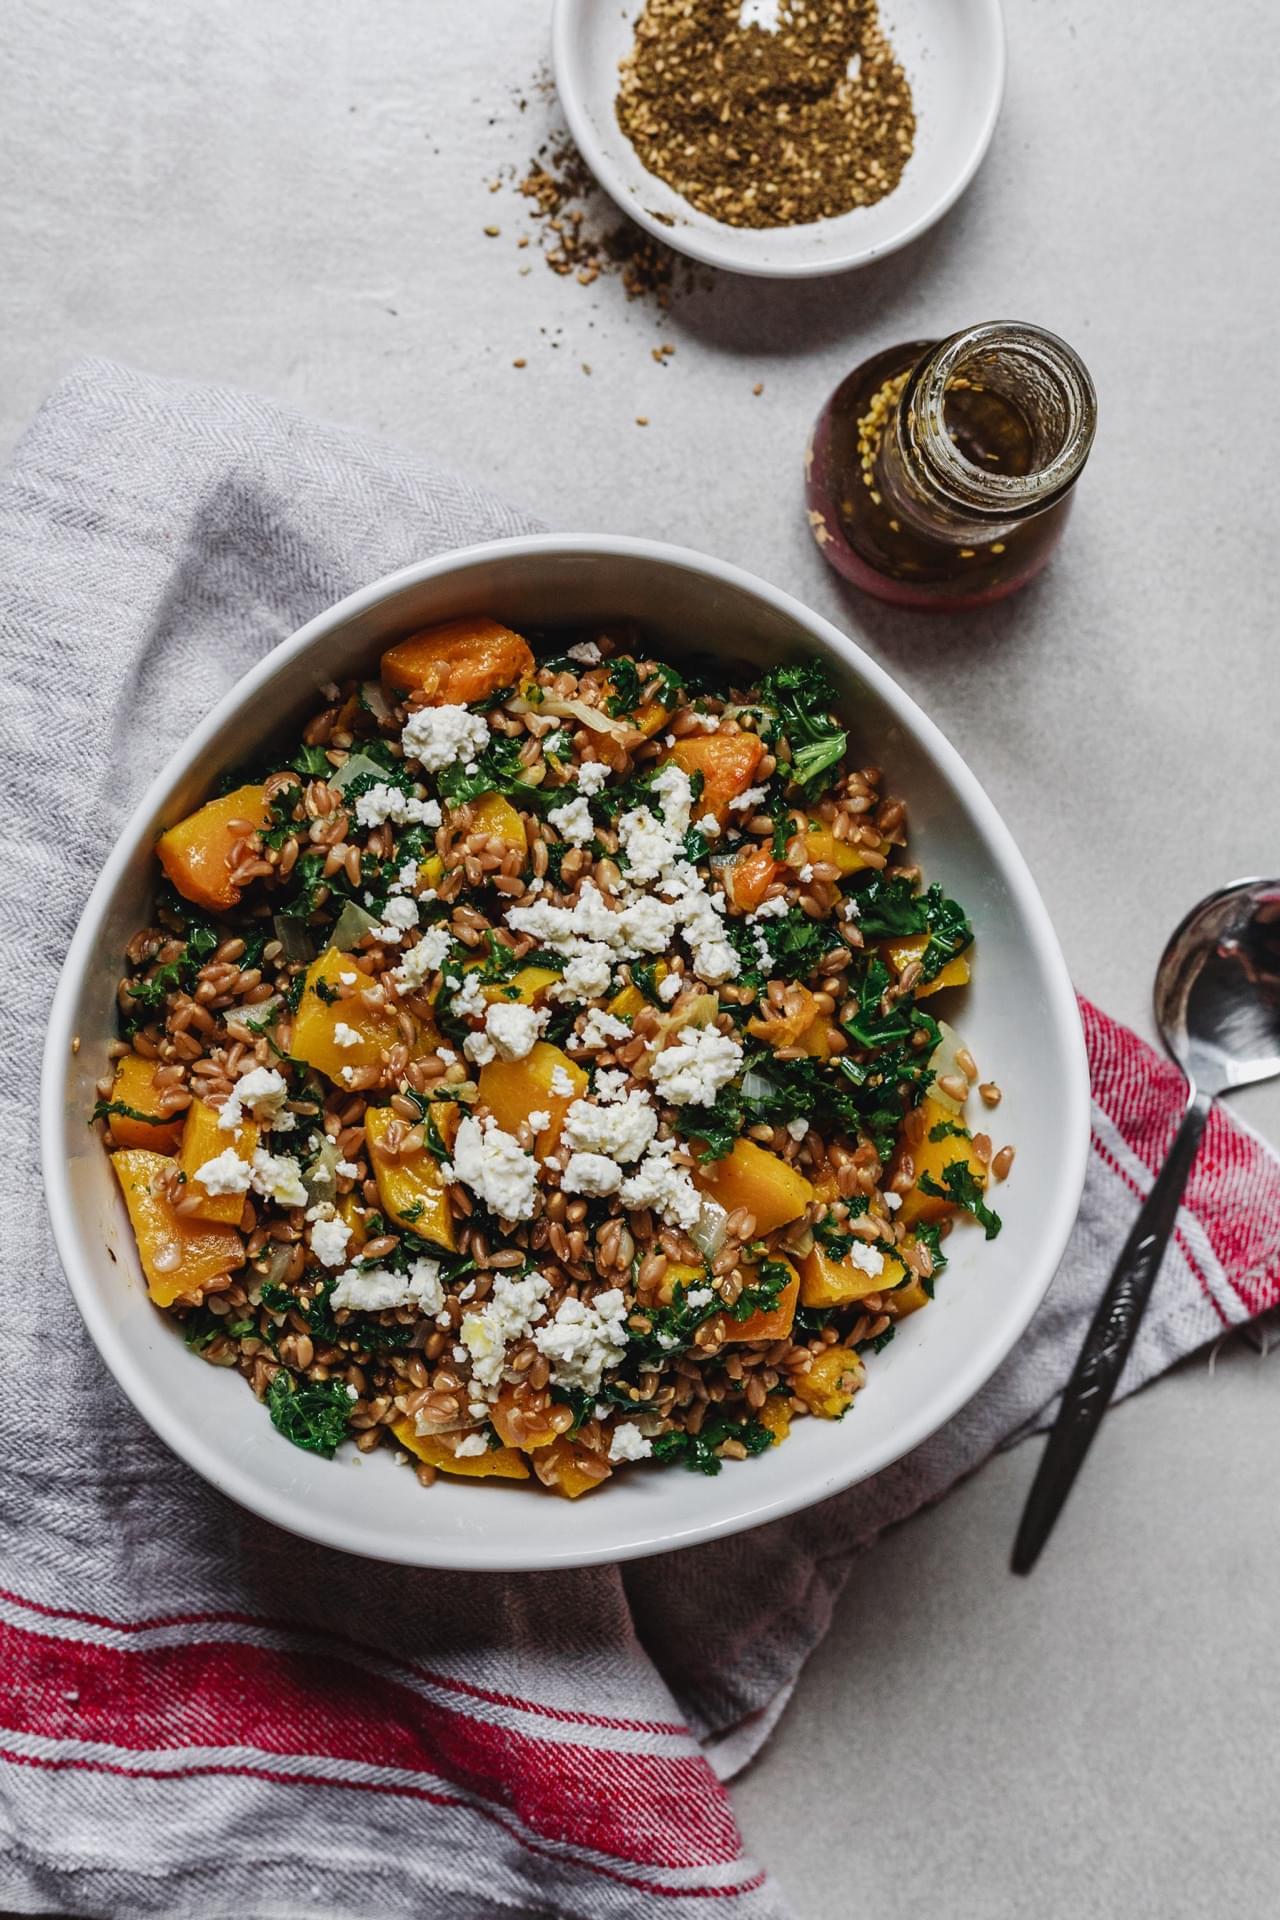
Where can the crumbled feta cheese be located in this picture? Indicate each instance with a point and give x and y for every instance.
(562, 1087)
(797, 1128)
(868, 1260)
(437, 736)
(509, 1314)
(805, 874)
(587, 975)
(278, 1177)
(406, 880)
(592, 776)
(513, 1028)
(647, 925)
(383, 802)
(468, 998)
(228, 1173)
(398, 916)
(692, 1071)
(423, 960)
(470, 1447)
(539, 1120)
(628, 1443)
(669, 989)
(893, 1201)
(329, 1235)
(600, 1028)
(495, 1167)
(345, 1036)
(673, 790)
(648, 845)
(699, 1297)
(573, 822)
(748, 802)
(347, 1169)
(851, 910)
(584, 1339)
(621, 1130)
(610, 1083)
(262, 1090)
(667, 1189)
(379, 1289)
(585, 651)
(591, 1173)
(770, 909)
(709, 826)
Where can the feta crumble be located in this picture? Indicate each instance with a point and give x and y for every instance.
(592, 776)
(470, 1447)
(262, 1090)
(692, 1071)
(384, 802)
(437, 736)
(509, 1314)
(495, 1167)
(573, 822)
(591, 1173)
(423, 960)
(584, 1339)
(379, 1289)
(622, 1130)
(344, 1036)
(329, 1235)
(628, 1443)
(585, 651)
(227, 1173)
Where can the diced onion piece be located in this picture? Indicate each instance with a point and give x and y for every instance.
(757, 1086)
(279, 1260)
(351, 769)
(375, 699)
(709, 1229)
(351, 926)
(295, 937)
(574, 710)
(321, 1178)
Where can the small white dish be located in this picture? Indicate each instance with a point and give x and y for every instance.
(953, 53)
(1019, 1018)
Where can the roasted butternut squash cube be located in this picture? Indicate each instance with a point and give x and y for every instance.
(457, 663)
(823, 845)
(559, 1467)
(831, 1382)
(750, 1177)
(196, 854)
(908, 1299)
(726, 762)
(826, 1282)
(178, 1252)
(321, 1011)
(355, 1214)
(785, 1029)
(431, 871)
(931, 1158)
(750, 875)
(900, 953)
(771, 1323)
(525, 984)
(497, 817)
(203, 1140)
(499, 1463)
(626, 1004)
(513, 1089)
(775, 1415)
(134, 1086)
(822, 1039)
(411, 1185)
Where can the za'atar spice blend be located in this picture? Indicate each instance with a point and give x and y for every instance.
(764, 115)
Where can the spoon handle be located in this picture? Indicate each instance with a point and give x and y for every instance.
(1106, 1347)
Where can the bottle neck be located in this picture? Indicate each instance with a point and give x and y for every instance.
(992, 426)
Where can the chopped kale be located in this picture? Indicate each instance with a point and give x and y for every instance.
(499, 769)
(283, 825)
(624, 678)
(889, 907)
(314, 1416)
(803, 697)
(105, 1108)
(959, 1184)
(715, 1127)
(698, 1452)
(948, 1130)
(175, 976)
(644, 975)
(311, 762)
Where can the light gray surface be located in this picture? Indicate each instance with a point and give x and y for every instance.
(293, 198)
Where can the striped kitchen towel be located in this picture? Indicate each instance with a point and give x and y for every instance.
(199, 1715)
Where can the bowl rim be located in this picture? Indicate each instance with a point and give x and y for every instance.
(707, 247)
(974, 1366)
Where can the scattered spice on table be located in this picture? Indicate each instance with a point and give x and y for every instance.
(767, 126)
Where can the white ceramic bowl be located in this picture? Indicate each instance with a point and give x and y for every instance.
(1019, 1017)
(953, 54)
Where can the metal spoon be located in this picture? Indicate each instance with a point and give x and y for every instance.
(1217, 1003)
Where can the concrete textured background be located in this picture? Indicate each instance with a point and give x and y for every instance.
(292, 198)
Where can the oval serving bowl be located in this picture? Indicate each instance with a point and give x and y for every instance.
(953, 54)
(1019, 1018)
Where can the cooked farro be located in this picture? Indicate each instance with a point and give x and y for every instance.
(529, 1070)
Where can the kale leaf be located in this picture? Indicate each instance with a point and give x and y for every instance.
(803, 697)
(698, 1451)
(315, 1416)
(959, 1185)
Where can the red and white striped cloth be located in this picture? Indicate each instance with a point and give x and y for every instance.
(201, 1716)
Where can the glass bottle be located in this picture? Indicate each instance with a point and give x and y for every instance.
(940, 473)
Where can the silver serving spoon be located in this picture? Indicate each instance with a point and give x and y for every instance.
(1217, 1003)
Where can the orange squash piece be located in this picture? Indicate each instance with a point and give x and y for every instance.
(932, 1157)
(513, 1089)
(831, 1382)
(177, 1252)
(525, 984)
(134, 1086)
(203, 1140)
(780, 1029)
(826, 1282)
(775, 1415)
(498, 1463)
(750, 1177)
(726, 762)
(772, 1323)
(749, 877)
(317, 1018)
(529, 1434)
(196, 854)
(497, 817)
(458, 662)
(557, 1466)
(908, 1299)
(411, 1186)
(821, 844)
(900, 953)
